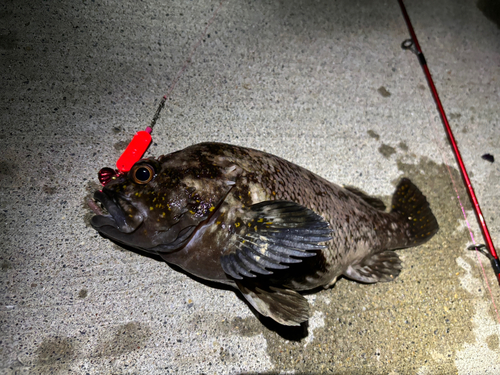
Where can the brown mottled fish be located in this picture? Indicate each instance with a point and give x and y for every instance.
(254, 221)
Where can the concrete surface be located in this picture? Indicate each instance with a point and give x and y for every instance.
(322, 83)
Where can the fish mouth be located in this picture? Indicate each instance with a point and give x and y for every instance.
(115, 216)
(112, 221)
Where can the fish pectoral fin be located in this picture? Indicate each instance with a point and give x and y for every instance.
(285, 306)
(384, 266)
(272, 235)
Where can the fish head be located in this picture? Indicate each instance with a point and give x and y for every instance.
(159, 203)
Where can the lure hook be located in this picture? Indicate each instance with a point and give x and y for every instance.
(106, 174)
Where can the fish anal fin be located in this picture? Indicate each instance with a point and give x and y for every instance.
(372, 201)
(285, 306)
(384, 266)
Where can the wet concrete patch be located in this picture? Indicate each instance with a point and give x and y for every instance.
(492, 342)
(56, 350)
(5, 265)
(481, 352)
(8, 39)
(386, 150)
(247, 327)
(435, 180)
(120, 146)
(373, 134)
(49, 189)
(7, 168)
(82, 293)
(454, 116)
(123, 339)
(9, 173)
(403, 146)
(383, 91)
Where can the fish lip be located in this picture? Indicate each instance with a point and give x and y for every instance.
(116, 217)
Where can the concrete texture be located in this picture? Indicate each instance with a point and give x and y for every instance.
(324, 84)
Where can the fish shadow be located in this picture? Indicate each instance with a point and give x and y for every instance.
(291, 333)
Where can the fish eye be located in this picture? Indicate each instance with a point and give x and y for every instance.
(142, 173)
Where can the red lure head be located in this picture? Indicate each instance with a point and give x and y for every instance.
(106, 174)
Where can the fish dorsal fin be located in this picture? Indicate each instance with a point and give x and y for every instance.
(372, 201)
(272, 235)
(285, 306)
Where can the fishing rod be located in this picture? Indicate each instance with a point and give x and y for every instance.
(413, 45)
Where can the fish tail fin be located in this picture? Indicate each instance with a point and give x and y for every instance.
(411, 204)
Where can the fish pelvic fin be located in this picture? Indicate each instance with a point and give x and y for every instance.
(409, 202)
(285, 306)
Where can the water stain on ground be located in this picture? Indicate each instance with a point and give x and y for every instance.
(492, 342)
(56, 350)
(372, 134)
(6, 168)
(383, 91)
(246, 327)
(386, 150)
(120, 146)
(82, 293)
(49, 189)
(5, 265)
(420, 320)
(8, 39)
(403, 146)
(123, 339)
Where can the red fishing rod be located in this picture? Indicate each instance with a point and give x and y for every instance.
(412, 44)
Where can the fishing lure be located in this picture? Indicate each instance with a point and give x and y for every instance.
(134, 151)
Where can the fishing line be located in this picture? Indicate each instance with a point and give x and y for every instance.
(413, 45)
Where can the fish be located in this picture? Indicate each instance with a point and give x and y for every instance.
(267, 227)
